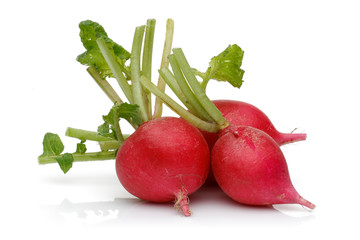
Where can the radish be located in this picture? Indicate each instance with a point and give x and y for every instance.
(241, 113)
(249, 167)
(166, 159)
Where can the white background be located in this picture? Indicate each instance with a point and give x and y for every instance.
(302, 69)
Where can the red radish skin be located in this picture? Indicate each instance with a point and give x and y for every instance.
(241, 113)
(166, 159)
(250, 167)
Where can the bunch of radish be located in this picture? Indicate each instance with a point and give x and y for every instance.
(168, 158)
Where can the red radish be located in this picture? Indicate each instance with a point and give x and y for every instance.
(250, 167)
(166, 159)
(241, 113)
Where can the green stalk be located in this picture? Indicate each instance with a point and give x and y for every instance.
(104, 85)
(137, 89)
(189, 117)
(206, 78)
(84, 135)
(147, 58)
(164, 63)
(109, 145)
(115, 68)
(170, 80)
(204, 75)
(148, 48)
(81, 157)
(185, 88)
(117, 129)
(106, 143)
(198, 90)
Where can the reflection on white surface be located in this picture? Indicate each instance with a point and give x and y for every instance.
(210, 207)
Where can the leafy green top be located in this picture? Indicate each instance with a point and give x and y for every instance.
(53, 147)
(107, 59)
(89, 32)
(225, 67)
(129, 112)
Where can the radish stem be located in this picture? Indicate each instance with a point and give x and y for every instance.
(110, 145)
(104, 85)
(84, 135)
(147, 59)
(115, 68)
(148, 48)
(106, 143)
(185, 88)
(164, 63)
(137, 89)
(198, 90)
(197, 122)
(117, 129)
(170, 80)
(81, 157)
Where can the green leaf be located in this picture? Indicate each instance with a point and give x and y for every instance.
(65, 161)
(109, 118)
(89, 32)
(104, 130)
(127, 111)
(81, 147)
(130, 112)
(226, 66)
(52, 145)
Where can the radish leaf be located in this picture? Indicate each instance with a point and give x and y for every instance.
(89, 32)
(129, 112)
(52, 145)
(81, 147)
(65, 161)
(225, 67)
(104, 130)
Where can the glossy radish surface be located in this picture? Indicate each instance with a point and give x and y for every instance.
(250, 168)
(166, 159)
(241, 113)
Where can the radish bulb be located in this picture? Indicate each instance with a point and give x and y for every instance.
(242, 113)
(249, 167)
(166, 159)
